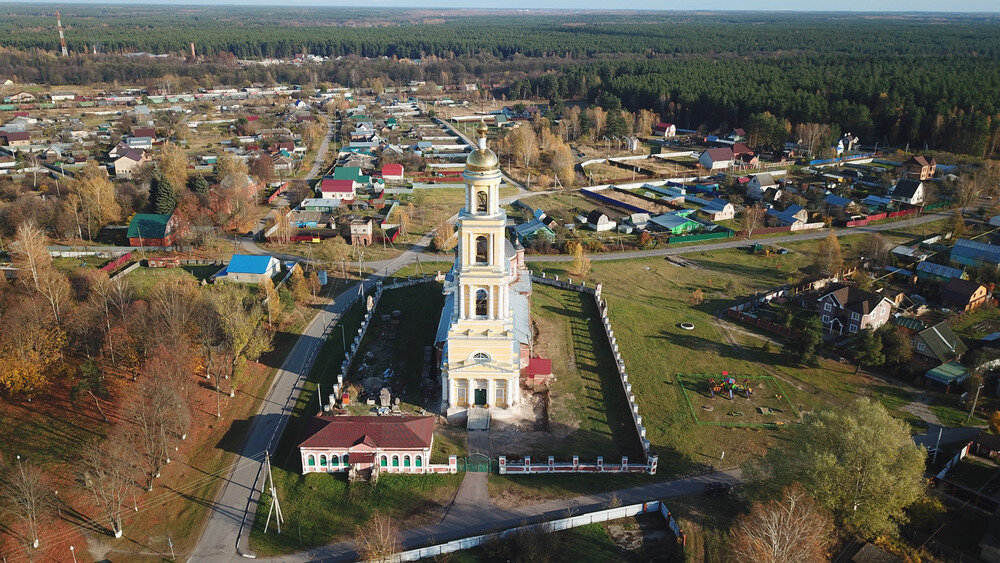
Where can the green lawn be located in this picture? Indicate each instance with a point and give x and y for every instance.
(588, 412)
(323, 508)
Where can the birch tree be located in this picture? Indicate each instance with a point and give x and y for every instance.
(789, 529)
(27, 497)
(106, 471)
(30, 253)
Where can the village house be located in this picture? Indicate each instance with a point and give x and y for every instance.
(717, 159)
(128, 164)
(847, 309)
(62, 96)
(908, 191)
(665, 129)
(675, 223)
(763, 186)
(245, 268)
(331, 188)
(975, 253)
(20, 98)
(14, 139)
(153, 229)
(394, 444)
(792, 215)
(718, 209)
(599, 221)
(139, 142)
(361, 231)
(937, 344)
(964, 295)
(392, 172)
(929, 271)
(920, 168)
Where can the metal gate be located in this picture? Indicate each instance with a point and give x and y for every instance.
(476, 463)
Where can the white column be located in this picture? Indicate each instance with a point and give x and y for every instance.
(491, 299)
(489, 392)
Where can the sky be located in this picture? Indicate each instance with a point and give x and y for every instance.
(957, 6)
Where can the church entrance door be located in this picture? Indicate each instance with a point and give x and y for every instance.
(480, 397)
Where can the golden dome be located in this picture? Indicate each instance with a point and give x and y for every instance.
(482, 160)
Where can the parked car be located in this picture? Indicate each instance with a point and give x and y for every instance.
(718, 489)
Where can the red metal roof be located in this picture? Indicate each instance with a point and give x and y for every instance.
(385, 432)
(337, 186)
(392, 169)
(538, 366)
(662, 126)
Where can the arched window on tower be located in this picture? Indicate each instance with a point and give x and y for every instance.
(482, 302)
(482, 249)
(482, 202)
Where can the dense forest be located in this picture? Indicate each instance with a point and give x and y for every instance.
(255, 32)
(904, 79)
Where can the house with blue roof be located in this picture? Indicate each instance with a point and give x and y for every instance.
(718, 209)
(246, 268)
(975, 253)
(876, 203)
(792, 215)
(838, 202)
(938, 273)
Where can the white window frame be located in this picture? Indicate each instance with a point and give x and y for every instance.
(826, 319)
(853, 327)
(921, 346)
(827, 307)
(855, 316)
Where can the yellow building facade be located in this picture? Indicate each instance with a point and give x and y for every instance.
(484, 325)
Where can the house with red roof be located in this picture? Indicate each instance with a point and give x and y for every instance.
(332, 188)
(393, 444)
(665, 129)
(392, 172)
(715, 159)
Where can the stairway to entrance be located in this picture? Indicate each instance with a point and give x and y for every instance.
(479, 419)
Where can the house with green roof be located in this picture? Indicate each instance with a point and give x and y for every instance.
(350, 173)
(951, 373)
(152, 229)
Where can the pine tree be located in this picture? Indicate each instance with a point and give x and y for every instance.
(198, 184)
(162, 196)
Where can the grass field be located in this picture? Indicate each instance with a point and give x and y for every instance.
(588, 413)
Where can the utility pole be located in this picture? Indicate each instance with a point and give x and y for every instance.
(170, 542)
(974, 401)
(275, 508)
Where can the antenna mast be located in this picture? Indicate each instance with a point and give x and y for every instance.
(62, 38)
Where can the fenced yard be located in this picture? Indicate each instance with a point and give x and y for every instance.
(766, 405)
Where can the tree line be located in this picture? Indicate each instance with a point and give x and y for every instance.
(949, 103)
(253, 33)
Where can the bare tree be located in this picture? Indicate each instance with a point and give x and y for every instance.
(875, 247)
(54, 286)
(29, 251)
(107, 472)
(378, 538)
(27, 497)
(751, 219)
(174, 304)
(811, 134)
(787, 530)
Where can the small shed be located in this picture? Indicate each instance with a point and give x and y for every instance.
(947, 375)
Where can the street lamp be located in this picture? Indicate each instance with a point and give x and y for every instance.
(72, 551)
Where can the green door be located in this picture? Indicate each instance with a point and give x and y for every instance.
(480, 396)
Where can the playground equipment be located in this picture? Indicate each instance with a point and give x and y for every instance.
(730, 387)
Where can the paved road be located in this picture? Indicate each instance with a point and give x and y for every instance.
(236, 504)
(739, 242)
(485, 521)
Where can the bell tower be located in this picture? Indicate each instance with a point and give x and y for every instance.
(481, 356)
